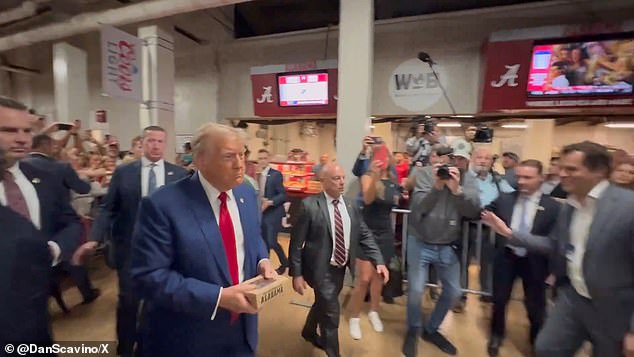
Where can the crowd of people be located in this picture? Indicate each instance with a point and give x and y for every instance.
(184, 237)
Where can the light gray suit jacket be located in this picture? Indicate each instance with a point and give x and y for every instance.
(608, 263)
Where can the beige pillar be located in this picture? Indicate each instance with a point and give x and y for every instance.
(71, 83)
(538, 140)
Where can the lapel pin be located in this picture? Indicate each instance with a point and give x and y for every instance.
(540, 208)
(170, 173)
(241, 200)
(36, 180)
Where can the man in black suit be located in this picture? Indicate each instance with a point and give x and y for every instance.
(528, 210)
(25, 270)
(324, 241)
(31, 192)
(272, 197)
(115, 221)
(42, 157)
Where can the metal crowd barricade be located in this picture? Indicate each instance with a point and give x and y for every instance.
(465, 256)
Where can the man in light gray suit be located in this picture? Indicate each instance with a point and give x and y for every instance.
(592, 251)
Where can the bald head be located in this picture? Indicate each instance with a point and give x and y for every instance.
(333, 179)
(482, 160)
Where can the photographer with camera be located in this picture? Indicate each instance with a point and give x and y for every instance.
(439, 202)
(419, 145)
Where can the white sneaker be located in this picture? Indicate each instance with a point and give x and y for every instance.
(355, 328)
(375, 320)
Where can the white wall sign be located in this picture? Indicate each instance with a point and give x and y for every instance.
(412, 85)
(121, 71)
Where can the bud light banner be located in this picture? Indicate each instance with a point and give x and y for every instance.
(121, 71)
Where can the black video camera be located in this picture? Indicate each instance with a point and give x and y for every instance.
(443, 172)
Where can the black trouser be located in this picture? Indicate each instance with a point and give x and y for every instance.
(79, 274)
(270, 229)
(127, 313)
(325, 311)
(508, 267)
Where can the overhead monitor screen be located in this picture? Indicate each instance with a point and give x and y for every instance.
(303, 89)
(582, 68)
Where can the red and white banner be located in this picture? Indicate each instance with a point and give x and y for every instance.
(121, 64)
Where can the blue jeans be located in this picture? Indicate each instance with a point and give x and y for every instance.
(419, 256)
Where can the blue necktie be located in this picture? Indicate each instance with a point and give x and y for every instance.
(523, 227)
(151, 182)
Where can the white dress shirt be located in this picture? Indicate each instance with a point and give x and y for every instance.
(234, 212)
(263, 176)
(32, 202)
(580, 226)
(159, 171)
(346, 225)
(532, 204)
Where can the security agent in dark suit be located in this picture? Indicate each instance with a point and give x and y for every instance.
(31, 192)
(25, 270)
(67, 179)
(272, 197)
(324, 241)
(117, 216)
(592, 249)
(531, 211)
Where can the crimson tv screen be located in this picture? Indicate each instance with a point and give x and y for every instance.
(603, 66)
(303, 89)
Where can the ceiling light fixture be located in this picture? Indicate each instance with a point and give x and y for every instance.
(514, 126)
(449, 124)
(620, 125)
(463, 116)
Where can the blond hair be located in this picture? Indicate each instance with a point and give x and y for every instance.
(210, 131)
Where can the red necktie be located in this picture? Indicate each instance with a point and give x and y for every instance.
(15, 198)
(340, 243)
(229, 241)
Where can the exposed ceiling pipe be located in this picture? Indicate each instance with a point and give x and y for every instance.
(27, 9)
(87, 22)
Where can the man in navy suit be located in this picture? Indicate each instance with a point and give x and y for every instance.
(529, 210)
(25, 270)
(115, 221)
(194, 245)
(273, 196)
(31, 192)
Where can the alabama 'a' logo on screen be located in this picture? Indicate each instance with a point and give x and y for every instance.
(509, 78)
(267, 95)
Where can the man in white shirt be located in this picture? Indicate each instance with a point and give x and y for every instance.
(32, 192)
(325, 240)
(195, 243)
(593, 259)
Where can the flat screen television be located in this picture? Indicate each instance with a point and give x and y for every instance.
(602, 65)
(303, 89)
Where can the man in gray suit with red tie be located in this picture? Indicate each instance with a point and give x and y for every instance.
(592, 250)
(324, 241)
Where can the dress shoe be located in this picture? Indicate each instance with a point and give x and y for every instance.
(314, 339)
(493, 348)
(281, 270)
(410, 345)
(95, 294)
(440, 341)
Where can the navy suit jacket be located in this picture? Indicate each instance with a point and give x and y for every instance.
(25, 270)
(58, 220)
(274, 190)
(118, 211)
(60, 171)
(543, 224)
(178, 265)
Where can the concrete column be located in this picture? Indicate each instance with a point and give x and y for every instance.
(70, 76)
(356, 58)
(158, 84)
(538, 140)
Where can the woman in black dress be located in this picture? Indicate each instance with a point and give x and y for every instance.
(380, 194)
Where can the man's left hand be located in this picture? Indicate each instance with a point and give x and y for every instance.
(266, 270)
(266, 204)
(384, 272)
(628, 345)
(497, 224)
(453, 184)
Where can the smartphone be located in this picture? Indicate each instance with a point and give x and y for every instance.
(64, 126)
(377, 139)
(381, 153)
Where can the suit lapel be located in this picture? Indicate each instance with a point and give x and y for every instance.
(137, 178)
(602, 216)
(323, 205)
(247, 231)
(208, 224)
(539, 214)
(170, 174)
